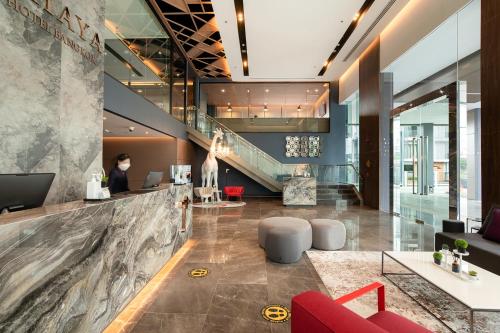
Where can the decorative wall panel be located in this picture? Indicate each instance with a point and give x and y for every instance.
(302, 146)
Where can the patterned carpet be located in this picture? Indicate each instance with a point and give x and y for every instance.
(345, 271)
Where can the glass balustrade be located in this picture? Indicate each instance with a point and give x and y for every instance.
(257, 159)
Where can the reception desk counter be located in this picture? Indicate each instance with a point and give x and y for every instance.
(299, 191)
(72, 267)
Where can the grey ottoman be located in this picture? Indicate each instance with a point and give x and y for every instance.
(284, 245)
(300, 226)
(328, 234)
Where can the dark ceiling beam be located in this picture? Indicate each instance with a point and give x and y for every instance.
(240, 20)
(354, 23)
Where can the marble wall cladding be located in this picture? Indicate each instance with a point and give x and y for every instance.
(74, 271)
(51, 96)
(299, 191)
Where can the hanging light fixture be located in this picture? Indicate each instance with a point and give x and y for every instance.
(299, 109)
(265, 107)
(229, 107)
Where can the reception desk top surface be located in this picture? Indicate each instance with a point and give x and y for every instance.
(53, 209)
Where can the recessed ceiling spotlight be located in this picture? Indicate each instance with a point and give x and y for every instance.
(223, 90)
(104, 118)
(146, 132)
(139, 91)
(267, 90)
(316, 90)
(248, 91)
(307, 91)
(441, 91)
(159, 52)
(240, 17)
(356, 16)
(245, 63)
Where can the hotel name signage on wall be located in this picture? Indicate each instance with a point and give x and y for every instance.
(86, 41)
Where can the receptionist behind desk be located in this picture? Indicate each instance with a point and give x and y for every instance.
(118, 181)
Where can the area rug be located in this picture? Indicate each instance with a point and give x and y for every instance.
(345, 271)
(219, 204)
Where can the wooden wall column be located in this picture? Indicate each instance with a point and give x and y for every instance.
(369, 108)
(490, 104)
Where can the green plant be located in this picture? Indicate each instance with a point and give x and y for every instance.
(437, 255)
(104, 179)
(445, 246)
(472, 273)
(461, 243)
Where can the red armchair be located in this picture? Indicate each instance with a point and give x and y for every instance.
(315, 312)
(234, 191)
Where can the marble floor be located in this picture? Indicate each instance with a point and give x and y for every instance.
(241, 281)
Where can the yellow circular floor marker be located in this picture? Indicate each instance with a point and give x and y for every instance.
(198, 273)
(276, 313)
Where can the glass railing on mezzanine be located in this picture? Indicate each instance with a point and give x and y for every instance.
(260, 160)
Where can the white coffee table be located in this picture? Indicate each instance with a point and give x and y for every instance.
(477, 296)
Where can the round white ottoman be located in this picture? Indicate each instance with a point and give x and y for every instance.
(283, 245)
(328, 234)
(285, 238)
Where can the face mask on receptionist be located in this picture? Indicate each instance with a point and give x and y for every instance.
(124, 166)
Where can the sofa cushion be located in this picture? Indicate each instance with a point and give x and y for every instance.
(492, 232)
(488, 219)
(392, 322)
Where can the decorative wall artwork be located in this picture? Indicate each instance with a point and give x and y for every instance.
(302, 146)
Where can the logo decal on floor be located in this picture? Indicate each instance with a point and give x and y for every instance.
(276, 313)
(198, 273)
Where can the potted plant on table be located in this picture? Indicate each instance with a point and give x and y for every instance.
(461, 245)
(473, 275)
(438, 256)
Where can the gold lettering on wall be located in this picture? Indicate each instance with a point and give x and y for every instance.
(66, 19)
(83, 26)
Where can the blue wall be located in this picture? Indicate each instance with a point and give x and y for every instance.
(332, 144)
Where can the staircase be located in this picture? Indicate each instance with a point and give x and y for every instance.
(269, 172)
(337, 193)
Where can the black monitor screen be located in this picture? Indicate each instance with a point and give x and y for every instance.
(24, 191)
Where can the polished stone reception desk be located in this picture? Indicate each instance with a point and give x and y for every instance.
(72, 267)
(299, 191)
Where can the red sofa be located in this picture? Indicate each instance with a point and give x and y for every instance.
(234, 191)
(314, 312)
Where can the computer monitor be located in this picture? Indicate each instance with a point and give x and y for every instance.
(24, 190)
(153, 179)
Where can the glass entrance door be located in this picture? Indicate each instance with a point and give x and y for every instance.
(421, 186)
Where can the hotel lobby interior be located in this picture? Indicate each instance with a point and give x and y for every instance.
(249, 166)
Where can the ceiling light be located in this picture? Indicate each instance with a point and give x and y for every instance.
(245, 63)
(265, 107)
(104, 118)
(240, 17)
(267, 90)
(441, 91)
(139, 91)
(146, 132)
(107, 131)
(299, 109)
(316, 90)
(248, 91)
(325, 85)
(159, 52)
(307, 91)
(356, 16)
(223, 90)
(229, 108)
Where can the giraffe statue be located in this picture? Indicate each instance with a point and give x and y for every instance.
(210, 168)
